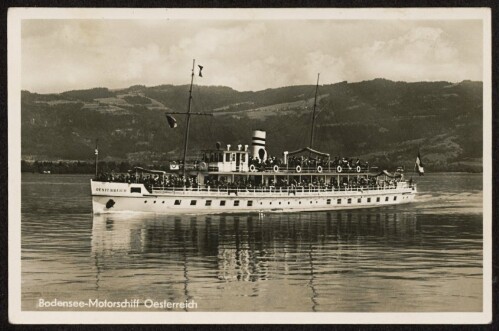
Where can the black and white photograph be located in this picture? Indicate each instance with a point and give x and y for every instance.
(193, 166)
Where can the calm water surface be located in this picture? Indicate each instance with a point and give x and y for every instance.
(425, 256)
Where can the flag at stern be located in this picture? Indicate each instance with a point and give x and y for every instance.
(419, 165)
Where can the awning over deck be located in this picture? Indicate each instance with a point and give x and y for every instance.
(310, 150)
(386, 173)
(158, 172)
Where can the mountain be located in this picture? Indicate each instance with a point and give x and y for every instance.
(382, 121)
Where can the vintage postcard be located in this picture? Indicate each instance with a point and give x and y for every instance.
(304, 166)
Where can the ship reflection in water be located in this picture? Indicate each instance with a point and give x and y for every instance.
(361, 260)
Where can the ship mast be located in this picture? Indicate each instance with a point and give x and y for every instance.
(186, 135)
(311, 145)
(189, 114)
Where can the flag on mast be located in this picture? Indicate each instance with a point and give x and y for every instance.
(172, 122)
(200, 70)
(419, 165)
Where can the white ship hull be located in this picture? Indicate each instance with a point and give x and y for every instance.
(112, 197)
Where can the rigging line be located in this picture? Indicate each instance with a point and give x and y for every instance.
(279, 126)
(202, 108)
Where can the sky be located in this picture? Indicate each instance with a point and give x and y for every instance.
(59, 54)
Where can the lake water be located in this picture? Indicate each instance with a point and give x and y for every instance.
(421, 257)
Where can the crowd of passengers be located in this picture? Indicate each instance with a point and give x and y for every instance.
(303, 161)
(311, 162)
(170, 181)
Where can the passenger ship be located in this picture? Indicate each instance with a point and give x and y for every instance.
(330, 185)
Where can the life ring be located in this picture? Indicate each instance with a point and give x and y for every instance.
(298, 168)
(252, 168)
(319, 168)
(339, 169)
(275, 168)
(358, 169)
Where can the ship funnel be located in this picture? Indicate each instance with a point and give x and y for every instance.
(258, 145)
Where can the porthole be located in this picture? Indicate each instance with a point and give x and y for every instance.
(163, 201)
(154, 201)
(145, 201)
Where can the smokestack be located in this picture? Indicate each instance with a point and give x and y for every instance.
(258, 145)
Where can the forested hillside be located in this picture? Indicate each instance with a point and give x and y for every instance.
(382, 121)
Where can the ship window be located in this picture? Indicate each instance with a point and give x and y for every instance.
(227, 157)
(359, 200)
(236, 203)
(243, 157)
(233, 156)
(208, 202)
(368, 199)
(394, 198)
(250, 203)
(145, 201)
(377, 199)
(386, 198)
(349, 200)
(338, 201)
(177, 202)
(222, 203)
(193, 202)
(328, 201)
(135, 190)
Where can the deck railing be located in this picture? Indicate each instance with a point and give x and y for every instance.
(275, 190)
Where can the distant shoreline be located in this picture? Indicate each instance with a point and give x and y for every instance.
(88, 167)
